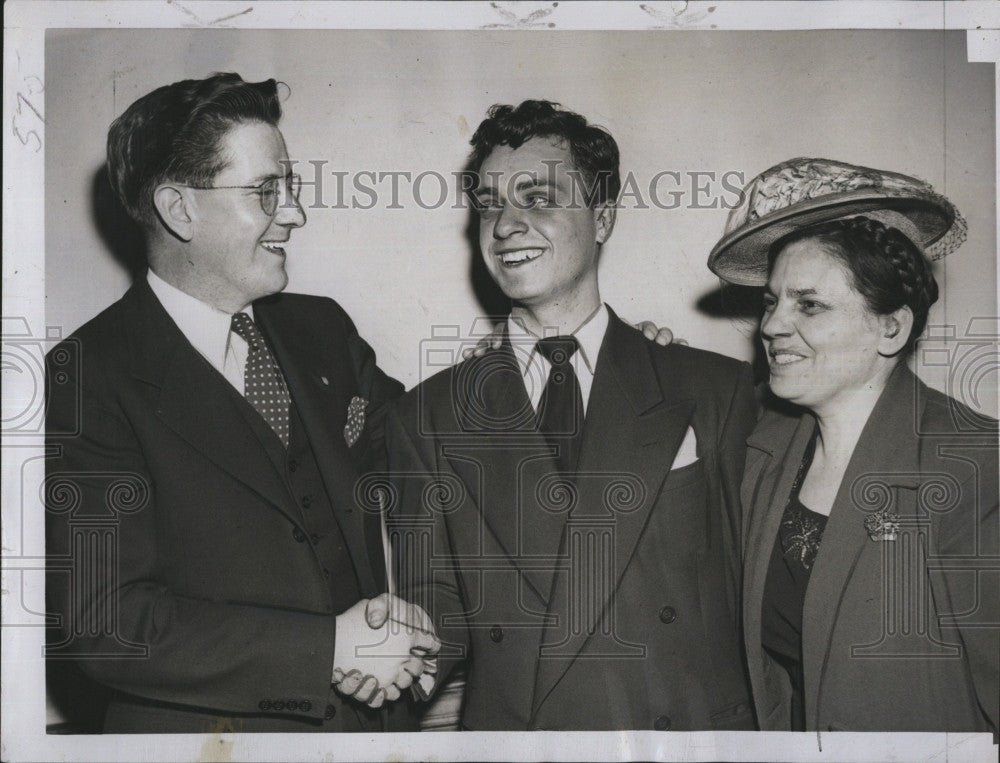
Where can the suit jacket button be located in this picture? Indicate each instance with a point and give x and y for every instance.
(668, 615)
(307, 501)
(299, 535)
(330, 712)
(305, 706)
(662, 723)
(496, 634)
(293, 465)
(292, 705)
(264, 704)
(278, 705)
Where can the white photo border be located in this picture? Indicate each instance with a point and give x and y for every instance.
(23, 687)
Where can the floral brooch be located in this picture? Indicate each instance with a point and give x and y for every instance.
(882, 525)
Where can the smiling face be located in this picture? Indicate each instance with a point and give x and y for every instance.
(538, 237)
(235, 254)
(823, 343)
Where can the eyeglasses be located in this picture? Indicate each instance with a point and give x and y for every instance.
(269, 192)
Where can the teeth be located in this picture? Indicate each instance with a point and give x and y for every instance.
(784, 358)
(272, 246)
(521, 255)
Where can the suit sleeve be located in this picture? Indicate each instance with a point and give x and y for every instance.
(104, 582)
(421, 539)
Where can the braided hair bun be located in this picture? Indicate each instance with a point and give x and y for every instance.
(886, 267)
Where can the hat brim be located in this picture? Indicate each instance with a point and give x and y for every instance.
(741, 257)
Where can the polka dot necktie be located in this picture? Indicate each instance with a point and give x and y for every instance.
(560, 412)
(264, 386)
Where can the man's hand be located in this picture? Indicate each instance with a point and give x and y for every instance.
(381, 647)
(491, 341)
(662, 336)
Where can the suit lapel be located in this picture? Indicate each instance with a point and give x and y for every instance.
(767, 502)
(195, 401)
(491, 395)
(318, 372)
(503, 469)
(631, 435)
(885, 466)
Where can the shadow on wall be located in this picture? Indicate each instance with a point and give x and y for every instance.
(77, 704)
(492, 301)
(123, 237)
(742, 306)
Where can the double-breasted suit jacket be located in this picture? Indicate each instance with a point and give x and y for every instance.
(899, 633)
(194, 565)
(607, 601)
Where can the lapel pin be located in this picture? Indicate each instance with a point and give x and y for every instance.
(882, 526)
(325, 381)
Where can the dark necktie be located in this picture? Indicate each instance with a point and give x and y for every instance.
(560, 412)
(264, 386)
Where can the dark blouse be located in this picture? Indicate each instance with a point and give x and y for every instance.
(792, 558)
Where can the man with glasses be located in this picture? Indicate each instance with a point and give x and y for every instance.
(210, 564)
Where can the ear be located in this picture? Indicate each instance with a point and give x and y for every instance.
(172, 207)
(895, 331)
(604, 219)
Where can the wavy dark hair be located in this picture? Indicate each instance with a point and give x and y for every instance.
(886, 267)
(594, 151)
(174, 132)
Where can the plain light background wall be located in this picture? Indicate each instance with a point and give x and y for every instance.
(677, 101)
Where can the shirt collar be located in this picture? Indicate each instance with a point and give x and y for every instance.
(205, 327)
(590, 337)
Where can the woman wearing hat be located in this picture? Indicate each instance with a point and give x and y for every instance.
(872, 543)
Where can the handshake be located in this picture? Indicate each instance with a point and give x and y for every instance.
(384, 646)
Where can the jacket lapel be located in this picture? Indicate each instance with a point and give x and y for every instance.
(777, 444)
(631, 436)
(502, 470)
(195, 401)
(886, 467)
(318, 372)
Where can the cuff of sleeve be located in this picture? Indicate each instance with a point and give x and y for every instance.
(341, 642)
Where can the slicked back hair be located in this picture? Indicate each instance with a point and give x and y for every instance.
(175, 132)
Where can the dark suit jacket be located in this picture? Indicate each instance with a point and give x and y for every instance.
(610, 604)
(898, 635)
(176, 563)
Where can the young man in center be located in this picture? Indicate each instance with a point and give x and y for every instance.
(567, 505)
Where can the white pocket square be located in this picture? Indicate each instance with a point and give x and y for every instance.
(687, 453)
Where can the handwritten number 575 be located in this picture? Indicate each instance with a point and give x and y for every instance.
(20, 132)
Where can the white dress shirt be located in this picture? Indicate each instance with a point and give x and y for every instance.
(206, 328)
(535, 368)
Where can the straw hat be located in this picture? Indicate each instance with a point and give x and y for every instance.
(805, 191)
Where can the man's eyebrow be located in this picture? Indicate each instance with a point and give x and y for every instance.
(533, 183)
(267, 176)
(527, 184)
